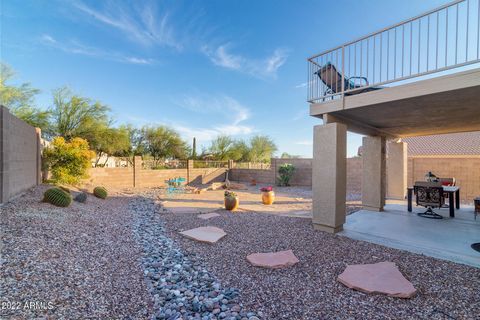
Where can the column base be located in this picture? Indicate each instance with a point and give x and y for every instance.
(328, 229)
(373, 209)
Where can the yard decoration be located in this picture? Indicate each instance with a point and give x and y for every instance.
(100, 192)
(231, 200)
(268, 196)
(81, 197)
(57, 197)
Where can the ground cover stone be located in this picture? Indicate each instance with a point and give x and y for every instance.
(204, 234)
(273, 260)
(382, 277)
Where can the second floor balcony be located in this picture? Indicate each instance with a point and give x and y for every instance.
(442, 41)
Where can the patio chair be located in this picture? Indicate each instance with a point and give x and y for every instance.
(333, 80)
(429, 195)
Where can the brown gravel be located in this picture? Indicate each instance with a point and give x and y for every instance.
(309, 290)
(70, 263)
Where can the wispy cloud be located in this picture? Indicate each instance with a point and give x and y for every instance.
(220, 104)
(227, 107)
(303, 85)
(76, 47)
(305, 142)
(303, 113)
(262, 68)
(140, 22)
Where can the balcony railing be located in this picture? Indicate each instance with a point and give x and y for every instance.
(439, 40)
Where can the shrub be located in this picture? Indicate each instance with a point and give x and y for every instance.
(68, 161)
(100, 192)
(81, 197)
(57, 197)
(64, 189)
(285, 174)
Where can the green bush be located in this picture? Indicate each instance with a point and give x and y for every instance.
(81, 197)
(57, 197)
(68, 161)
(64, 189)
(100, 192)
(285, 174)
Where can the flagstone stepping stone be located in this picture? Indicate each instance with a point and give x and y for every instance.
(204, 234)
(273, 260)
(206, 216)
(383, 277)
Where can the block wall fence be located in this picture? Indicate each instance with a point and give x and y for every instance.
(466, 171)
(137, 177)
(20, 156)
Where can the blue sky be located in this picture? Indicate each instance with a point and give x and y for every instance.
(203, 67)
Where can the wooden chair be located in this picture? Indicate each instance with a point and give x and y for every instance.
(429, 195)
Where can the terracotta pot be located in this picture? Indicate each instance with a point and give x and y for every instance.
(268, 197)
(231, 203)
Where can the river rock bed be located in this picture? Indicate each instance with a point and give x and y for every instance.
(181, 286)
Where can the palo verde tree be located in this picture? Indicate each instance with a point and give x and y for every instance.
(76, 116)
(20, 100)
(262, 148)
(162, 142)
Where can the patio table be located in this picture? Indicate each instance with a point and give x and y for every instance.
(453, 192)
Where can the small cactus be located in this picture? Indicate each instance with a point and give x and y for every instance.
(100, 192)
(81, 197)
(57, 197)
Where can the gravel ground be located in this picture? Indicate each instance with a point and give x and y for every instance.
(75, 263)
(122, 258)
(309, 290)
(181, 285)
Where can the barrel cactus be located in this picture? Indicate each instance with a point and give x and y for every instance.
(81, 197)
(57, 197)
(100, 192)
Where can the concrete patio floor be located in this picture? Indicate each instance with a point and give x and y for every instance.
(448, 238)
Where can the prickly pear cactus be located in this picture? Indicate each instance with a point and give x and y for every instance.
(81, 197)
(57, 197)
(100, 192)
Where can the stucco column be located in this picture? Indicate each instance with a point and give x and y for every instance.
(397, 170)
(374, 173)
(329, 176)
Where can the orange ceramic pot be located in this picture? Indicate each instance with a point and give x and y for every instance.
(268, 197)
(231, 203)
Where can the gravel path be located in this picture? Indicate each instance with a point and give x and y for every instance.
(181, 285)
(309, 290)
(75, 263)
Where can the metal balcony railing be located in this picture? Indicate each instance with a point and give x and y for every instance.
(442, 39)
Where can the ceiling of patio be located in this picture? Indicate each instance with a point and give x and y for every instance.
(445, 104)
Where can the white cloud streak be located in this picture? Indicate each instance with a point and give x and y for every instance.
(140, 24)
(261, 68)
(75, 47)
(305, 143)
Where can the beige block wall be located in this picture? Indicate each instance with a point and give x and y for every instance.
(19, 156)
(302, 175)
(124, 177)
(466, 170)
